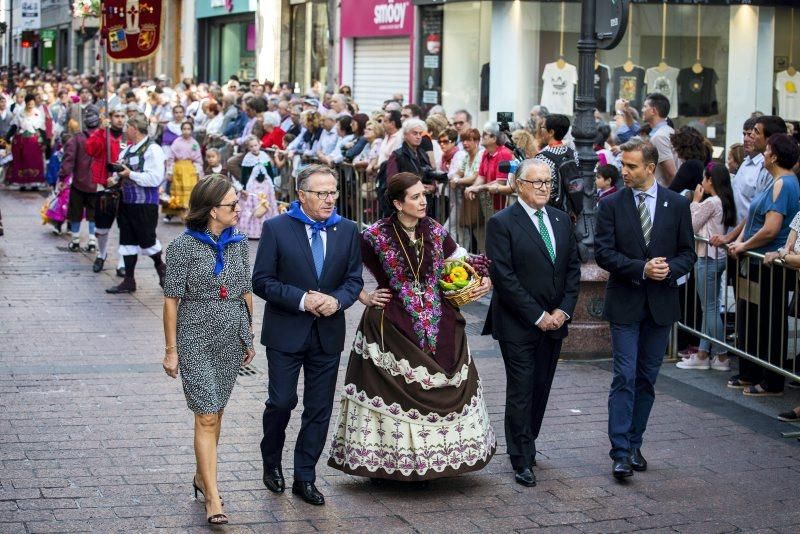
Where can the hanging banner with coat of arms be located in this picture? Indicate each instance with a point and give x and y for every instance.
(132, 29)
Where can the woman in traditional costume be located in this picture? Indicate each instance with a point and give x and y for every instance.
(184, 169)
(28, 129)
(412, 407)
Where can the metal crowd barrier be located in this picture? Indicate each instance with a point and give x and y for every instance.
(359, 201)
(759, 300)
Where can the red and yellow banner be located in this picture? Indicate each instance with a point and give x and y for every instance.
(132, 29)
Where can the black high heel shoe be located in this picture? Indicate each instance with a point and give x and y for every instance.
(200, 490)
(216, 519)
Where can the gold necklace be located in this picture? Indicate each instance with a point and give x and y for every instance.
(412, 228)
(416, 286)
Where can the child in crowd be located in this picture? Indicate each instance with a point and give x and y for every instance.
(254, 158)
(258, 199)
(605, 180)
(214, 163)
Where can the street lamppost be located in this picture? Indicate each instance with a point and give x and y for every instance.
(603, 24)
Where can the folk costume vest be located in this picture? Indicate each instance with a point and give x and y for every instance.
(133, 193)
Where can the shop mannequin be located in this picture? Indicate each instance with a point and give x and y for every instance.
(662, 66)
(697, 68)
(561, 63)
(628, 65)
(791, 71)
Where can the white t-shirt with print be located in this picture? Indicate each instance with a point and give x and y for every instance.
(558, 91)
(788, 88)
(666, 83)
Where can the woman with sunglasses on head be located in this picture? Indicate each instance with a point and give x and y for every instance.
(208, 328)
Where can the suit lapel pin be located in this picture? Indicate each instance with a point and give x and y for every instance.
(666, 204)
(334, 228)
(556, 219)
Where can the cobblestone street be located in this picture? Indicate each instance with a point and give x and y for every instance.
(94, 436)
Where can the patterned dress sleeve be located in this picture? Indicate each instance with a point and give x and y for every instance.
(177, 269)
(372, 262)
(248, 282)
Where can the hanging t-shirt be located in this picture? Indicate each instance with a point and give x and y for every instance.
(788, 88)
(665, 83)
(697, 93)
(601, 79)
(558, 91)
(629, 85)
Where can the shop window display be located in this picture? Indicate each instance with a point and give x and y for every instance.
(680, 51)
(787, 78)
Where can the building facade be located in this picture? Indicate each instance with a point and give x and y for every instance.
(717, 61)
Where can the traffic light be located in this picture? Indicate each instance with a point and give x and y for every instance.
(27, 39)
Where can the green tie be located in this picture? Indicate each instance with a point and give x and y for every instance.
(546, 235)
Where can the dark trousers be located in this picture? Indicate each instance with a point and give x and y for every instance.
(530, 368)
(638, 351)
(762, 329)
(319, 372)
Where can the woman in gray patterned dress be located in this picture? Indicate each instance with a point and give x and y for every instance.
(208, 320)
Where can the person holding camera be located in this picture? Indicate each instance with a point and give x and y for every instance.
(411, 157)
(139, 171)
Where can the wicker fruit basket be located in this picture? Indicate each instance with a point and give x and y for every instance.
(462, 296)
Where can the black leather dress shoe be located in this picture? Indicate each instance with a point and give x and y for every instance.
(621, 469)
(273, 479)
(127, 286)
(308, 492)
(121, 272)
(98, 265)
(638, 463)
(525, 477)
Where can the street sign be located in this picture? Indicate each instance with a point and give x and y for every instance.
(610, 23)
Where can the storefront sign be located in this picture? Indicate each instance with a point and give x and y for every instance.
(377, 18)
(430, 50)
(204, 9)
(47, 37)
(133, 29)
(30, 15)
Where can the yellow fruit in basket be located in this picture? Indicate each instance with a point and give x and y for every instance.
(459, 273)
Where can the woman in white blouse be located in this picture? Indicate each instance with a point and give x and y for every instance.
(712, 216)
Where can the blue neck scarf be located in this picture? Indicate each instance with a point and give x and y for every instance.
(296, 212)
(228, 236)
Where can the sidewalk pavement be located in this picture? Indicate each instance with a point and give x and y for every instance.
(94, 436)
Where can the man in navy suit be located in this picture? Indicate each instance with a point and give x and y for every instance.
(536, 275)
(644, 239)
(308, 269)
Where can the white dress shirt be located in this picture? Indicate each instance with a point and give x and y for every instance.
(532, 213)
(751, 179)
(152, 173)
(324, 235)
